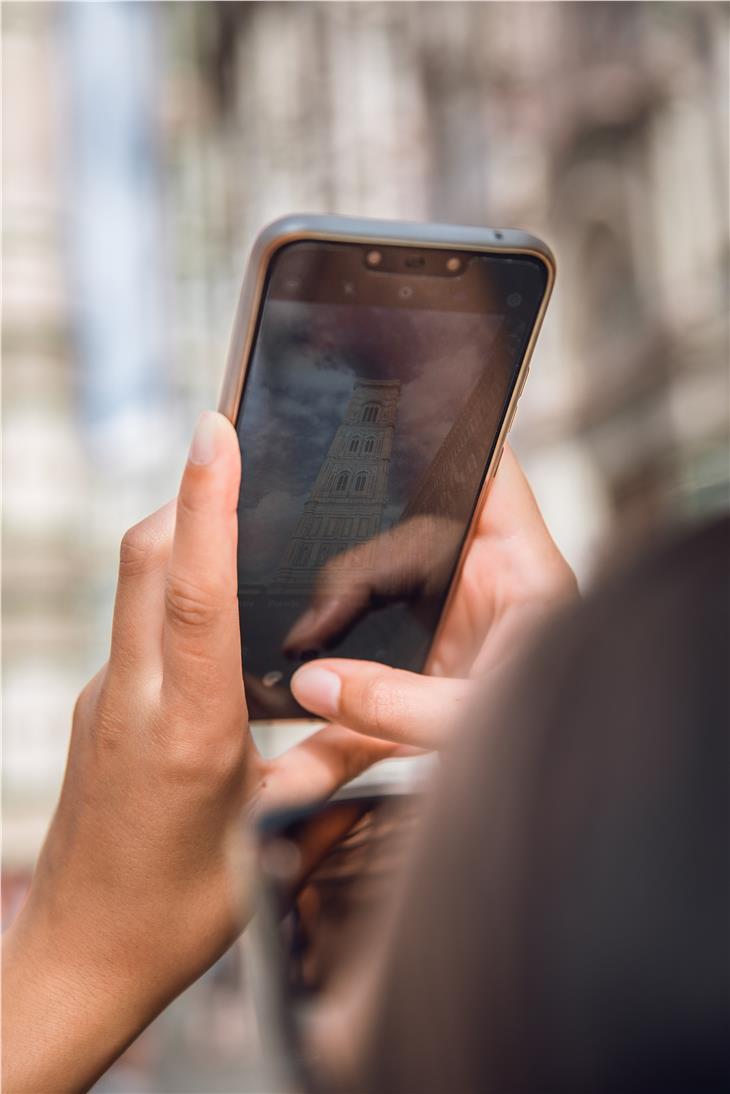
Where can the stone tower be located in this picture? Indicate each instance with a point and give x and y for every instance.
(345, 506)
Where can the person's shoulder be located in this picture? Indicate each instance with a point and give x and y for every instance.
(696, 549)
(658, 617)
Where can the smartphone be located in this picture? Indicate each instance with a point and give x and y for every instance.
(372, 376)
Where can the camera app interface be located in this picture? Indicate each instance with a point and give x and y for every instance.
(377, 386)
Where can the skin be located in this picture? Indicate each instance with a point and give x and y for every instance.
(136, 891)
(140, 885)
(513, 576)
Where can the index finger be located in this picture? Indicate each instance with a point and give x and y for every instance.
(381, 702)
(201, 641)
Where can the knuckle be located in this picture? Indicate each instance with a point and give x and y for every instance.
(87, 701)
(189, 605)
(136, 551)
(100, 713)
(84, 704)
(191, 761)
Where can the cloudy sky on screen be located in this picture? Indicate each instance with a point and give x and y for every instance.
(306, 363)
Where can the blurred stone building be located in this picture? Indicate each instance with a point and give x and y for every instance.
(145, 145)
(345, 506)
(601, 127)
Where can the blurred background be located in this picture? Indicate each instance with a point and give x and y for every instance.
(144, 146)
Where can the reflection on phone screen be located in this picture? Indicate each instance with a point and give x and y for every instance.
(371, 406)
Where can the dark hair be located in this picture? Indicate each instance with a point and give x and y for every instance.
(565, 925)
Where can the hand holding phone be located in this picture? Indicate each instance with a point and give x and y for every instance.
(513, 576)
(373, 375)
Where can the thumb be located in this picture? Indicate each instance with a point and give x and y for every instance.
(379, 701)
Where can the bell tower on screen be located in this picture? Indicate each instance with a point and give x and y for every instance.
(346, 503)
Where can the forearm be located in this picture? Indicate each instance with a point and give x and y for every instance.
(63, 1021)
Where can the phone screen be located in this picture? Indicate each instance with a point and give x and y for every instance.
(376, 389)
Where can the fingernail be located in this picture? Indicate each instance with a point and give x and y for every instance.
(317, 689)
(203, 445)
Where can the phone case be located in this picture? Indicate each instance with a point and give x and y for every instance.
(364, 230)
